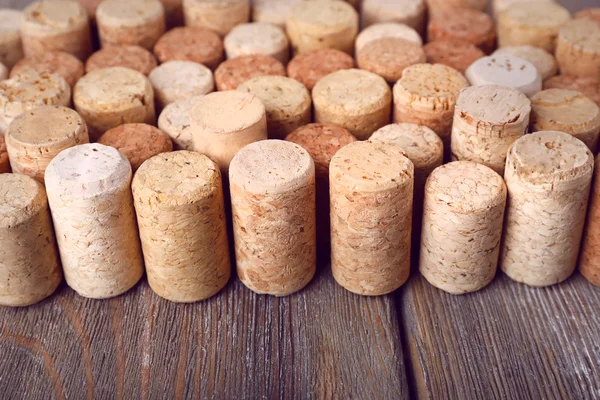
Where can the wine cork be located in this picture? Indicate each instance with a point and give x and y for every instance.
(357, 100)
(276, 12)
(186, 252)
(499, 6)
(462, 227)
(566, 111)
(29, 265)
(174, 120)
(132, 22)
(287, 103)
(4, 163)
(11, 49)
(389, 57)
(588, 86)
(426, 95)
(578, 49)
(488, 119)
(548, 175)
(58, 25)
(54, 62)
(471, 25)
(257, 38)
(223, 123)
(371, 182)
(530, 23)
(589, 261)
(173, 12)
(543, 61)
(232, 73)
(309, 67)
(138, 142)
(110, 97)
(177, 80)
(322, 24)
(133, 57)
(387, 30)
(217, 15)
(505, 70)
(273, 205)
(455, 53)
(437, 7)
(87, 184)
(593, 14)
(408, 12)
(37, 136)
(28, 90)
(190, 43)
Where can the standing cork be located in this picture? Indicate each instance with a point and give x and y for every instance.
(589, 262)
(543, 61)
(273, 205)
(389, 57)
(408, 12)
(455, 53)
(177, 80)
(578, 49)
(37, 136)
(471, 25)
(218, 16)
(55, 62)
(257, 38)
(4, 162)
(593, 14)
(174, 120)
(386, 30)
(548, 175)
(232, 73)
(487, 121)
(190, 43)
(309, 67)
(499, 6)
(437, 7)
(182, 226)
(92, 209)
(588, 86)
(462, 227)
(11, 49)
(134, 57)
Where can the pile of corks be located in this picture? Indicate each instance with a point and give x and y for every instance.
(296, 137)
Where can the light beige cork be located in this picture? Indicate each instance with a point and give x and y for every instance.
(408, 12)
(287, 103)
(487, 121)
(543, 61)
(548, 175)
(110, 97)
(471, 25)
(257, 38)
(217, 15)
(589, 261)
(174, 120)
(89, 191)
(173, 12)
(386, 30)
(4, 162)
(592, 14)
(29, 265)
(37, 136)
(11, 49)
(222, 123)
(388, 57)
(56, 62)
(578, 49)
(178, 80)
(273, 206)
(276, 12)
(499, 6)
(371, 188)
(180, 211)
(462, 227)
(357, 100)
(131, 22)
(588, 86)
(566, 111)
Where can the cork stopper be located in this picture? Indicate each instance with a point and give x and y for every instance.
(578, 49)
(177, 80)
(11, 49)
(588, 86)
(500, 6)
(272, 11)
(455, 53)
(408, 12)
(54, 62)
(4, 164)
(190, 43)
(388, 57)
(473, 26)
(174, 120)
(133, 57)
(437, 7)
(309, 67)
(543, 61)
(386, 30)
(589, 261)
(593, 14)
(232, 73)
(257, 38)
(219, 16)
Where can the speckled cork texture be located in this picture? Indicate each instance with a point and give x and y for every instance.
(408, 12)
(179, 204)
(178, 80)
(4, 163)
(462, 227)
(223, 123)
(110, 97)
(11, 49)
(232, 73)
(499, 6)
(588, 86)
(578, 49)
(386, 30)
(487, 121)
(273, 12)
(309, 67)
(94, 220)
(174, 120)
(217, 15)
(371, 188)
(134, 57)
(548, 175)
(357, 100)
(543, 61)
(593, 14)
(455, 53)
(29, 265)
(37, 136)
(589, 261)
(388, 57)
(273, 206)
(190, 43)
(257, 38)
(471, 25)
(437, 7)
(56, 62)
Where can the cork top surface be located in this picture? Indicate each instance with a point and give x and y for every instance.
(46, 125)
(456, 53)
(589, 13)
(548, 15)
(134, 57)
(565, 107)
(58, 62)
(182, 77)
(468, 24)
(466, 187)
(272, 166)
(421, 144)
(216, 3)
(430, 82)
(21, 198)
(310, 66)
(387, 29)
(389, 56)
(232, 73)
(588, 86)
(190, 43)
(35, 87)
(584, 34)
(505, 70)
(543, 61)
(324, 14)
(56, 14)
(352, 92)
(226, 112)
(10, 22)
(397, 7)
(254, 37)
(128, 13)
(493, 104)
(176, 115)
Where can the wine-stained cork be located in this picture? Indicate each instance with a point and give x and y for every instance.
(578, 49)
(408, 12)
(505, 70)
(110, 97)
(321, 24)
(37, 136)
(437, 7)
(471, 25)
(588, 86)
(531, 23)
(257, 38)
(287, 103)
(55, 62)
(371, 188)
(499, 6)
(173, 12)
(174, 120)
(11, 49)
(217, 15)
(455, 53)
(4, 162)
(190, 43)
(548, 175)
(177, 80)
(134, 57)
(543, 61)
(232, 73)
(94, 220)
(388, 57)
(462, 227)
(225, 122)
(309, 67)
(357, 100)
(273, 205)
(488, 119)
(29, 265)
(386, 30)
(593, 14)
(132, 22)
(58, 25)
(589, 261)
(182, 226)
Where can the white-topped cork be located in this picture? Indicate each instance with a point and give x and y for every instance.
(174, 120)
(186, 252)
(505, 70)
(408, 12)
(488, 119)
(578, 49)
(273, 205)
(589, 260)
(385, 30)
(548, 175)
(89, 191)
(462, 227)
(220, 16)
(543, 61)
(179, 80)
(257, 38)
(37, 136)
(29, 265)
(11, 49)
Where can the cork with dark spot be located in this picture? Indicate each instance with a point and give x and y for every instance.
(29, 265)
(388, 57)
(309, 67)
(588, 86)
(505, 70)
(548, 176)
(232, 73)
(273, 206)
(589, 261)
(408, 12)
(11, 49)
(384, 30)
(174, 120)
(180, 211)
(543, 61)
(219, 16)
(592, 14)
(4, 163)
(462, 227)
(455, 53)
(178, 80)
(257, 38)
(471, 25)
(55, 62)
(578, 49)
(89, 191)
(190, 43)
(133, 57)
